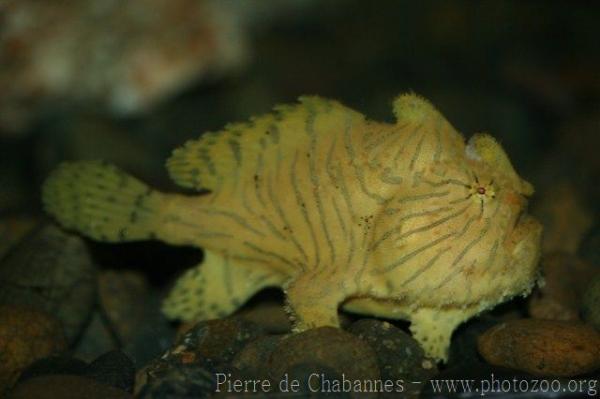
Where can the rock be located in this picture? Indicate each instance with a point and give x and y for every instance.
(123, 296)
(173, 379)
(317, 379)
(152, 338)
(214, 340)
(132, 315)
(208, 345)
(565, 217)
(52, 365)
(463, 348)
(12, 230)
(565, 278)
(399, 356)
(590, 246)
(51, 270)
(590, 307)
(542, 347)
(65, 387)
(341, 351)
(130, 65)
(26, 335)
(254, 357)
(578, 139)
(113, 368)
(270, 315)
(97, 338)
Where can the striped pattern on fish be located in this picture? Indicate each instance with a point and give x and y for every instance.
(401, 220)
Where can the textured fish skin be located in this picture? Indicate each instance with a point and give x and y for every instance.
(401, 220)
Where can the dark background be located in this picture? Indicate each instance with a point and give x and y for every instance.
(527, 72)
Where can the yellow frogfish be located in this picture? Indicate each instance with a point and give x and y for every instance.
(401, 221)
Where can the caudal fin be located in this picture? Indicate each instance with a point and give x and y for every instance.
(102, 202)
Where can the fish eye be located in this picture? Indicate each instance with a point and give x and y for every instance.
(482, 190)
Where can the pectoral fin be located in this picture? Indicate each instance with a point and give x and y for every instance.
(216, 288)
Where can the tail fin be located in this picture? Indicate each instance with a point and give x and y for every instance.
(102, 202)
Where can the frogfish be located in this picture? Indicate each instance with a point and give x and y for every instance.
(400, 220)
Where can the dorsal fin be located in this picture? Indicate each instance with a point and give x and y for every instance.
(420, 139)
(217, 158)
